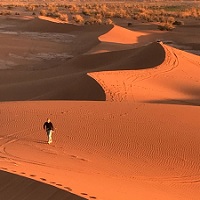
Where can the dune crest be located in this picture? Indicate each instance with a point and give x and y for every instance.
(121, 35)
(171, 80)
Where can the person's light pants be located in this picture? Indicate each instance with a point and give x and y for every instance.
(49, 134)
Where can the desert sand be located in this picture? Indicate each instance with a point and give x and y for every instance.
(124, 101)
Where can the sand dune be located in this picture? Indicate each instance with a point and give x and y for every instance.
(118, 38)
(132, 59)
(126, 116)
(80, 66)
(121, 35)
(171, 81)
(148, 153)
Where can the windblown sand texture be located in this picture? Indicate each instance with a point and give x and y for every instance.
(125, 108)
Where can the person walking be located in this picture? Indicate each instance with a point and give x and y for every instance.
(48, 126)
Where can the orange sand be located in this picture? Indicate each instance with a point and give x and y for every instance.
(126, 115)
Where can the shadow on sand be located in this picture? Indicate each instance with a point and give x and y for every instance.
(191, 91)
(72, 82)
(191, 102)
(18, 187)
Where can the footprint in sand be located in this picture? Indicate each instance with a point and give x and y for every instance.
(92, 197)
(76, 157)
(84, 194)
(58, 184)
(69, 189)
(43, 179)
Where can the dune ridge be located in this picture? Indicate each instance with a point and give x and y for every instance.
(79, 66)
(121, 35)
(159, 83)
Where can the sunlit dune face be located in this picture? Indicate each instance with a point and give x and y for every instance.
(121, 35)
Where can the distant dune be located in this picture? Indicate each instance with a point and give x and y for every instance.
(121, 35)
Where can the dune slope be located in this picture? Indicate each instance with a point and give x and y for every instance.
(105, 150)
(24, 188)
(175, 80)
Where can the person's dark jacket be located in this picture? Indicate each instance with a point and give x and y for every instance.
(48, 126)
